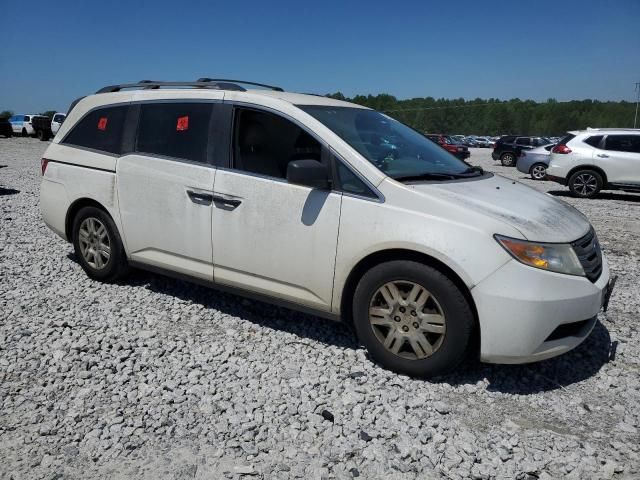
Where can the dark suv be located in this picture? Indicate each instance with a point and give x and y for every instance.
(450, 144)
(508, 148)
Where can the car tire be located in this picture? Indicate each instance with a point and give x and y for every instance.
(24, 132)
(508, 159)
(41, 136)
(412, 318)
(538, 171)
(585, 183)
(98, 246)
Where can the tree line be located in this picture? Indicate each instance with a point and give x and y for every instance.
(490, 116)
(499, 117)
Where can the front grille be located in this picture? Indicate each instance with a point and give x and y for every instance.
(588, 251)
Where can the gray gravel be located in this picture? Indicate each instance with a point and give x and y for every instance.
(158, 378)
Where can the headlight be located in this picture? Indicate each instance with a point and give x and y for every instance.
(555, 257)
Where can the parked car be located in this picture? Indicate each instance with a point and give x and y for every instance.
(508, 148)
(42, 127)
(588, 161)
(450, 144)
(482, 142)
(535, 161)
(21, 125)
(5, 128)
(56, 122)
(296, 204)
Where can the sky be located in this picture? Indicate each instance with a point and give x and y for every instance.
(564, 49)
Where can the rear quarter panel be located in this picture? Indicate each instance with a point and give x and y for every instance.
(74, 174)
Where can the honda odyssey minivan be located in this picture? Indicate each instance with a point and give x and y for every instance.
(328, 207)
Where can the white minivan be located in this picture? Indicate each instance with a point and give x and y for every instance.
(328, 207)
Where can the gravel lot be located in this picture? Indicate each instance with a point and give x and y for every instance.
(158, 378)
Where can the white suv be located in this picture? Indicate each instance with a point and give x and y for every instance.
(595, 159)
(328, 207)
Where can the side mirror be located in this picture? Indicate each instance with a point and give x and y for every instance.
(310, 173)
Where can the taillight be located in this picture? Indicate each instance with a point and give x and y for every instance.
(43, 164)
(560, 149)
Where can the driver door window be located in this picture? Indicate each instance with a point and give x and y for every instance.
(265, 143)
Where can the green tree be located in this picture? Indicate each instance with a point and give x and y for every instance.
(6, 114)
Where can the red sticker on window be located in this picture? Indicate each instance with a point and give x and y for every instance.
(183, 123)
(102, 123)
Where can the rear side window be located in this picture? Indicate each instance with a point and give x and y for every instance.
(508, 139)
(100, 129)
(27, 118)
(623, 143)
(523, 141)
(177, 130)
(58, 118)
(594, 140)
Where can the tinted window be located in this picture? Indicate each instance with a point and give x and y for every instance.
(623, 143)
(523, 141)
(27, 118)
(265, 143)
(58, 118)
(594, 140)
(100, 129)
(178, 130)
(350, 183)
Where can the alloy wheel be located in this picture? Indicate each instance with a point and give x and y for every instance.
(538, 172)
(407, 320)
(95, 244)
(585, 184)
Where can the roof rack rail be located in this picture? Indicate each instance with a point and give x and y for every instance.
(152, 84)
(224, 80)
(204, 82)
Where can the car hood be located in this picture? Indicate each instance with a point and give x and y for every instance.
(538, 216)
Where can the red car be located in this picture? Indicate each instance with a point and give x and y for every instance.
(450, 144)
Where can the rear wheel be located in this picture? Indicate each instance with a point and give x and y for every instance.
(42, 136)
(538, 171)
(508, 159)
(412, 318)
(98, 246)
(585, 183)
(24, 132)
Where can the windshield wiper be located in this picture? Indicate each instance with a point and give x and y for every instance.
(427, 176)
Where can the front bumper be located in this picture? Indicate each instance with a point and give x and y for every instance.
(495, 155)
(520, 310)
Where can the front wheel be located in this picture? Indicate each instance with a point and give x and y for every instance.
(98, 246)
(538, 171)
(508, 159)
(412, 318)
(585, 183)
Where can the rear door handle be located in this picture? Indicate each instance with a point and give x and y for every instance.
(602, 155)
(200, 198)
(227, 200)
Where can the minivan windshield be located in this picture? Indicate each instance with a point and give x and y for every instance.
(396, 149)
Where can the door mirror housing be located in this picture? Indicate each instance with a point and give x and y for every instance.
(310, 173)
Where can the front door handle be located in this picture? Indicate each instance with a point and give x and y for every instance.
(200, 198)
(602, 155)
(227, 201)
